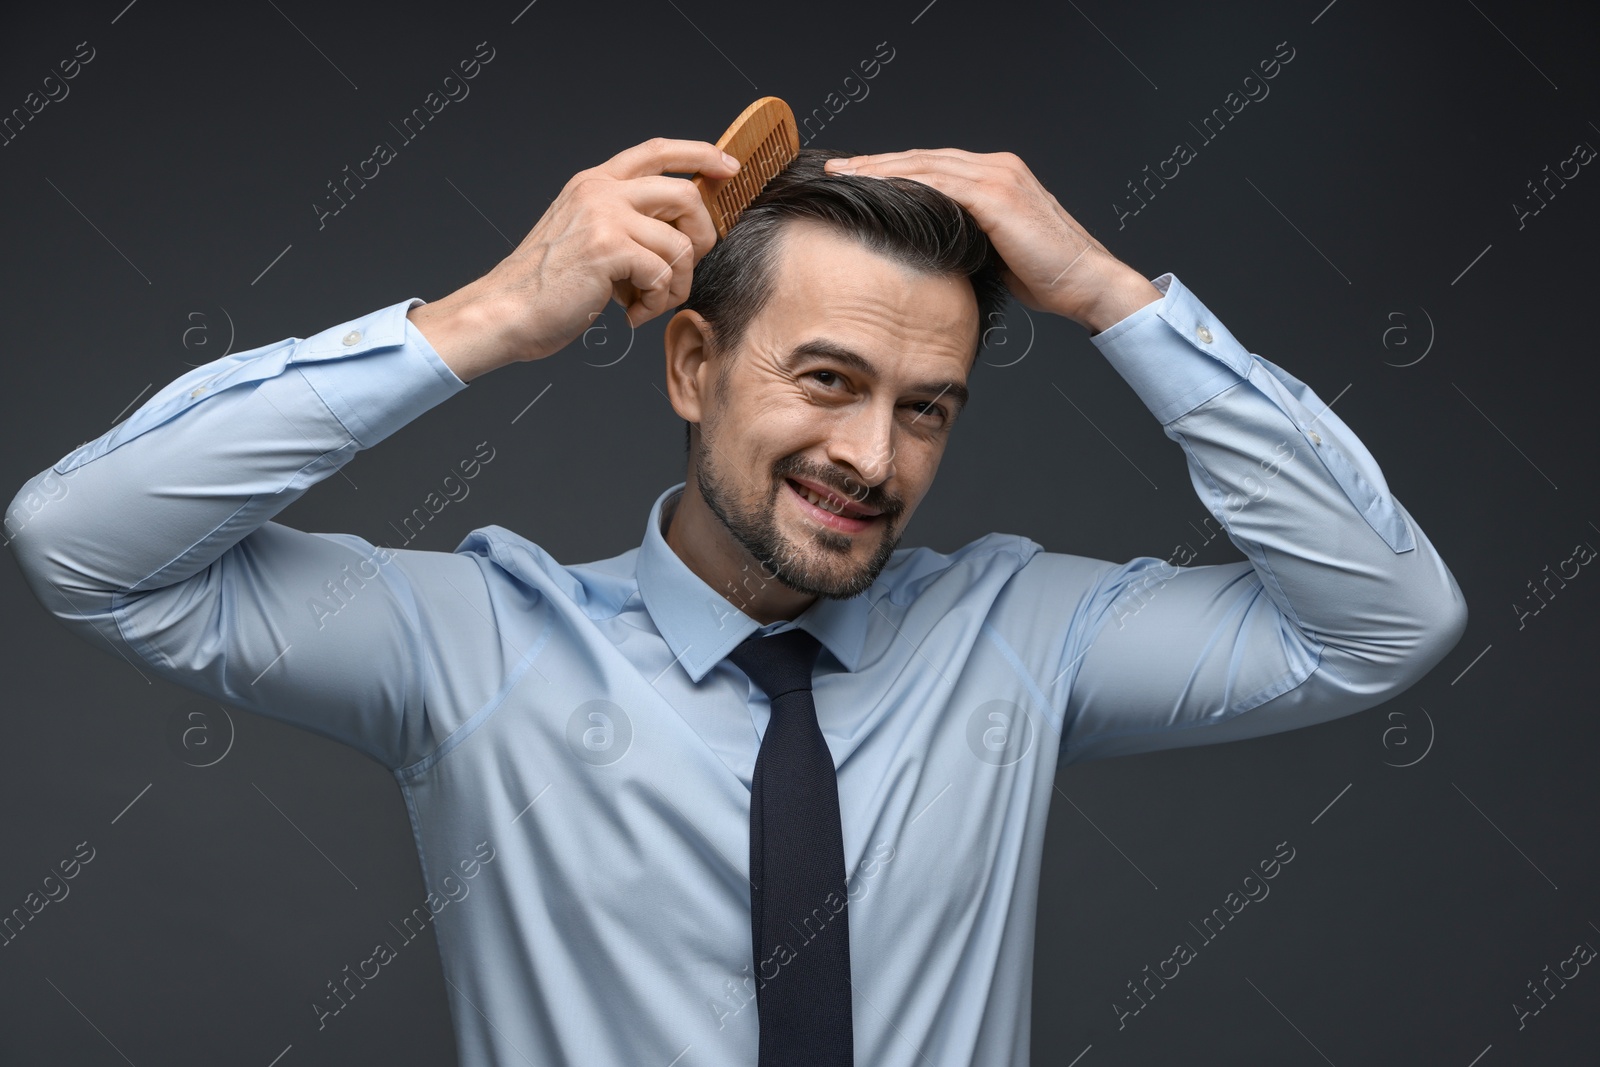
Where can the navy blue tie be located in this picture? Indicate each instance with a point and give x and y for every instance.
(799, 914)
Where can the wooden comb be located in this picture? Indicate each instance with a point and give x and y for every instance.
(764, 139)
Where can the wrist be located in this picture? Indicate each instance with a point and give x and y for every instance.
(464, 329)
(1127, 293)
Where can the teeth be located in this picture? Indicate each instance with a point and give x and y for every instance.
(820, 501)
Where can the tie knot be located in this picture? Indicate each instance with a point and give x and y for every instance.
(779, 663)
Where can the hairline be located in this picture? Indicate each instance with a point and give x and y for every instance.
(766, 273)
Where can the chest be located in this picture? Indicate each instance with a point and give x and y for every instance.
(622, 790)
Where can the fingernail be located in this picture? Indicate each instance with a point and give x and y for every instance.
(844, 169)
(729, 160)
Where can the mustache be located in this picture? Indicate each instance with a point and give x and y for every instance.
(844, 485)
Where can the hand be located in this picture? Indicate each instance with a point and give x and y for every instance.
(1051, 262)
(620, 231)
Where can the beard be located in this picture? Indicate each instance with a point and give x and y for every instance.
(823, 562)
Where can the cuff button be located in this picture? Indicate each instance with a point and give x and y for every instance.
(1315, 439)
(352, 338)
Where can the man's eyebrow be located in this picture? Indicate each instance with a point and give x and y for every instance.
(826, 349)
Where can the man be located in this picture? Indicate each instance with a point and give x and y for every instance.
(599, 731)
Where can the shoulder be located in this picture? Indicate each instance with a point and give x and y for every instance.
(509, 560)
(1011, 573)
(910, 572)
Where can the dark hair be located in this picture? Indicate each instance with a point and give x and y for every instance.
(904, 220)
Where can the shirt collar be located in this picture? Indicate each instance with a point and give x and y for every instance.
(701, 626)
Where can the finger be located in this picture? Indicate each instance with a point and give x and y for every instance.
(632, 292)
(972, 182)
(953, 155)
(676, 249)
(970, 193)
(661, 155)
(677, 201)
(670, 257)
(922, 165)
(880, 156)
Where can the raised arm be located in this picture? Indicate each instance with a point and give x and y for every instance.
(1342, 602)
(154, 540)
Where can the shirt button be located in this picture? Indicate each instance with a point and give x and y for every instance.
(352, 338)
(198, 390)
(1315, 439)
(1203, 333)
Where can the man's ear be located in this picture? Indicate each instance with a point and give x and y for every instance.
(690, 373)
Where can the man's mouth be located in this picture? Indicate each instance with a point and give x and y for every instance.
(830, 509)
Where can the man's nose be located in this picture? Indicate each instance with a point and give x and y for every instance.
(864, 444)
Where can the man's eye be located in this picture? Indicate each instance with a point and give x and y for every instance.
(828, 373)
(930, 408)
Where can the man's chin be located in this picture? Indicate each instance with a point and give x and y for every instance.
(847, 590)
(827, 592)
(829, 582)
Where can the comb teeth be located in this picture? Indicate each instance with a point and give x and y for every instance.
(764, 139)
(754, 174)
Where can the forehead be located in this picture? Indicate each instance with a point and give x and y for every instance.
(827, 283)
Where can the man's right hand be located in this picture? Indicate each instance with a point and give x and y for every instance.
(622, 230)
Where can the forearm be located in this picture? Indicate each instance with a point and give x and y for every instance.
(217, 453)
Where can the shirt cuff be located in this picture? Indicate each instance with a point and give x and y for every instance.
(373, 405)
(1174, 352)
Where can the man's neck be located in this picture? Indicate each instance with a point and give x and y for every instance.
(727, 567)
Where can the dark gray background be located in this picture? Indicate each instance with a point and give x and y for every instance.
(1368, 196)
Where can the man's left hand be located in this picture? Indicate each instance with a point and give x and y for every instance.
(1051, 262)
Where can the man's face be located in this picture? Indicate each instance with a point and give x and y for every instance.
(848, 382)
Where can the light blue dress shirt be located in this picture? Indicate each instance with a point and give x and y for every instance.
(577, 723)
